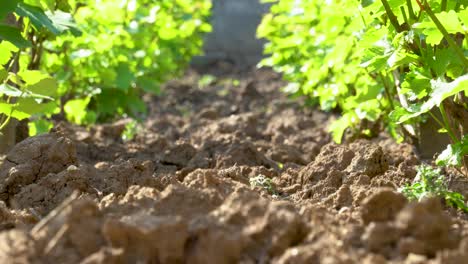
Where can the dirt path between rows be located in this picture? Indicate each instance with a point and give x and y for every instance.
(230, 172)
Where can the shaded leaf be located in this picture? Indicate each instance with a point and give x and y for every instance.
(14, 36)
(37, 16)
(8, 6)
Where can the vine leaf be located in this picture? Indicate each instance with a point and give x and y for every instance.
(37, 16)
(440, 91)
(454, 153)
(8, 7)
(14, 36)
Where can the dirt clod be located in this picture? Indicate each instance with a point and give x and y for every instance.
(382, 206)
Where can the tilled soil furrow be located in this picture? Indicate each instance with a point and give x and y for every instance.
(220, 173)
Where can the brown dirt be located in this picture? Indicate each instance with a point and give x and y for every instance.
(182, 191)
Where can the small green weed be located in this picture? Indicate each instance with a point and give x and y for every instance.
(454, 153)
(206, 80)
(231, 81)
(263, 182)
(131, 129)
(430, 182)
(223, 92)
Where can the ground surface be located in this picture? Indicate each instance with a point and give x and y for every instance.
(220, 174)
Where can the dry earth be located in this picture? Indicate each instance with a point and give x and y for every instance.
(220, 174)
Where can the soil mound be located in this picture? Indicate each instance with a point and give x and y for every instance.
(219, 174)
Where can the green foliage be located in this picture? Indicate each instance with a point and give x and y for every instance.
(206, 80)
(131, 130)
(101, 64)
(263, 182)
(127, 48)
(26, 91)
(39, 126)
(315, 45)
(389, 61)
(454, 153)
(430, 182)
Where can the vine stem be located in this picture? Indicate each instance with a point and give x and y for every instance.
(387, 90)
(443, 5)
(391, 16)
(441, 124)
(447, 124)
(410, 10)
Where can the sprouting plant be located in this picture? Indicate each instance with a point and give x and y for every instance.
(263, 182)
(431, 182)
(206, 80)
(131, 129)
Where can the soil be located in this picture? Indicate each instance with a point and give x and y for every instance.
(220, 173)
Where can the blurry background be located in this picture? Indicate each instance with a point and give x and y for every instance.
(234, 33)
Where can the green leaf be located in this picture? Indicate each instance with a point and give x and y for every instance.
(8, 6)
(339, 126)
(14, 36)
(6, 52)
(440, 91)
(76, 110)
(39, 83)
(125, 77)
(3, 75)
(395, 4)
(456, 200)
(450, 21)
(450, 157)
(148, 85)
(33, 106)
(63, 5)
(45, 87)
(400, 57)
(454, 153)
(443, 59)
(33, 76)
(39, 126)
(415, 86)
(37, 16)
(7, 109)
(26, 107)
(8, 90)
(64, 22)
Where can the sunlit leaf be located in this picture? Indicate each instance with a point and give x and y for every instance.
(39, 126)
(75, 110)
(453, 154)
(64, 22)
